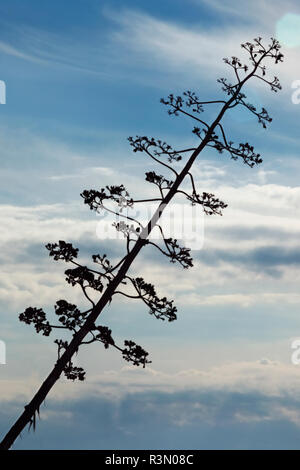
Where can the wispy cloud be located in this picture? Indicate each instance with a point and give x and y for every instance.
(169, 47)
(261, 13)
(147, 44)
(10, 50)
(55, 49)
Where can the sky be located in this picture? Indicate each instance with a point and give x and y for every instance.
(81, 77)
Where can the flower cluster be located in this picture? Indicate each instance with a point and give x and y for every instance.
(94, 199)
(62, 250)
(135, 354)
(178, 253)
(84, 277)
(37, 317)
(160, 308)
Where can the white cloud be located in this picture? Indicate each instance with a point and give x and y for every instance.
(268, 377)
(252, 207)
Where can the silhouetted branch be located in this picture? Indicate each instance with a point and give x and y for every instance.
(176, 252)
(82, 324)
(160, 308)
(176, 104)
(142, 144)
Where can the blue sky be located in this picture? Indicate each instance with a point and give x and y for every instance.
(79, 81)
